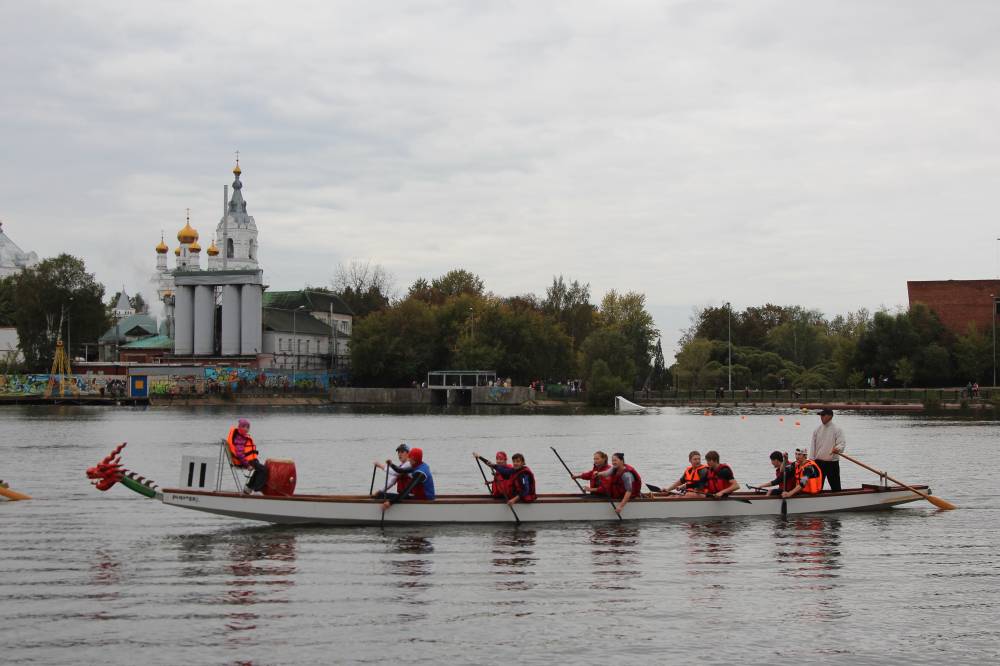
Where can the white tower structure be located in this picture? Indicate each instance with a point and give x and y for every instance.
(12, 259)
(236, 234)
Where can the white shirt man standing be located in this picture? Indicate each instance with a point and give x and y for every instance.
(827, 441)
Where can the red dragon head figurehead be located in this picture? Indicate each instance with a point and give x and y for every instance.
(109, 471)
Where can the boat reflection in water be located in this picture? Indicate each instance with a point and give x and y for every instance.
(409, 568)
(808, 552)
(711, 553)
(615, 555)
(513, 558)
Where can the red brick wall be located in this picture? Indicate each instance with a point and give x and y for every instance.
(958, 302)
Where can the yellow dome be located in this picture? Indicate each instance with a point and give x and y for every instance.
(177, 252)
(188, 234)
(194, 247)
(236, 169)
(212, 250)
(162, 247)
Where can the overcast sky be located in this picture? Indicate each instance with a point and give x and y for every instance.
(812, 153)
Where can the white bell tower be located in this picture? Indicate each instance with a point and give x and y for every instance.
(236, 235)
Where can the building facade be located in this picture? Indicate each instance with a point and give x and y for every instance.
(958, 303)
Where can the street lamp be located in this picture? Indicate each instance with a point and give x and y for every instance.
(729, 327)
(993, 315)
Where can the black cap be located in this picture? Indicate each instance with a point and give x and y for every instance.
(402, 447)
(826, 412)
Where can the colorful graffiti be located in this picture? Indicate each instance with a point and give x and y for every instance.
(209, 380)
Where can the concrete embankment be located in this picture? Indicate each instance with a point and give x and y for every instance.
(481, 395)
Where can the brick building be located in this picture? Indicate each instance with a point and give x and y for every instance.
(959, 302)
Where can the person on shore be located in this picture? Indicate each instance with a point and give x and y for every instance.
(808, 476)
(625, 482)
(394, 479)
(784, 471)
(517, 480)
(599, 485)
(827, 441)
(421, 483)
(694, 478)
(243, 454)
(721, 481)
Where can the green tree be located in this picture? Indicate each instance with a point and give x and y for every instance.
(56, 290)
(603, 385)
(456, 282)
(691, 369)
(397, 346)
(660, 377)
(974, 356)
(905, 371)
(7, 303)
(364, 287)
(612, 348)
(570, 305)
(627, 314)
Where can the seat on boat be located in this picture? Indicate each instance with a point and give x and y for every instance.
(235, 469)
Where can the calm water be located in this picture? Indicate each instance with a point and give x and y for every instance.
(90, 577)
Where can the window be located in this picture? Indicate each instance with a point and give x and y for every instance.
(253, 249)
(307, 345)
(279, 344)
(230, 248)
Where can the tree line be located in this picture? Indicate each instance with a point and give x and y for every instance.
(793, 347)
(453, 322)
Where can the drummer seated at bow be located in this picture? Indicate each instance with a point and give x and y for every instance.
(808, 476)
(695, 477)
(243, 454)
(516, 480)
(625, 482)
(784, 471)
(421, 481)
(598, 485)
(721, 481)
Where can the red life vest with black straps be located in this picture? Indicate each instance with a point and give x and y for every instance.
(402, 481)
(500, 486)
(517, 483)
(715, 483)
(618, 488)
(813, 484)
(692, 477)
(598, 483)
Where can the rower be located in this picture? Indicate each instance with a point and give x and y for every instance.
(694, 478)
(721, 481)
(516, 480)
(421, 484)
(625, 482)
(500, 488)
(808, 476)
(392, 477)
(785, 473)
(598, 485)
(243, 454)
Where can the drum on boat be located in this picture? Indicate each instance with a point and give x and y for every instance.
(280, 477)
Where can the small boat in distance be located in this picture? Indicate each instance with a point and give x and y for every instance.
(198, 473)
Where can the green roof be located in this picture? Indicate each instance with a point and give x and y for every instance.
(132, 326)
(287, 321)
(314, 301)
(154, 342)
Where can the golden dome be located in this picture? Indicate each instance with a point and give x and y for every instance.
(212, 250)
(168, 293)
(177, 252)
(162, 247)
(236, 169)
(194, 247)
(188, 234)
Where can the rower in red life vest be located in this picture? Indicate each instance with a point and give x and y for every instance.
(695, 477)
(420, 484)
(243, 454)
(808, 476)
(721, 481)
(626, 484)
(500, 488)
(518, 481)
(784, 474)
(599, 485)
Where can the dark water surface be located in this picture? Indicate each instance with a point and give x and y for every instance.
(89, 577)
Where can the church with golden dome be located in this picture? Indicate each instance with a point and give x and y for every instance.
(230, 280)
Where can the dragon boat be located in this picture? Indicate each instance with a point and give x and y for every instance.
(197, 474)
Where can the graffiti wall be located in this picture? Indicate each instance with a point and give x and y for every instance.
(192, 382)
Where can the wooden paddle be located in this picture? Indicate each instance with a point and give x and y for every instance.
(936, 501)
(371, 488)
(385, 495)
(657, 489)
(577, 482)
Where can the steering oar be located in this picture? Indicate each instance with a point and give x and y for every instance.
(936, 501)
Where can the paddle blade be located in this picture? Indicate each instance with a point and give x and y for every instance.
(940, 503)
(654, 489)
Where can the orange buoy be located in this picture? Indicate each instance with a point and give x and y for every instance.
(781, 419)
(797, 424)
(743, 417)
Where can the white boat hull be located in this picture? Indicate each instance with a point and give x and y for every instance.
(360, 510)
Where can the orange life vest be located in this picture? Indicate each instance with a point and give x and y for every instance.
(248, 454)
(813, 484)
(692, 477)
